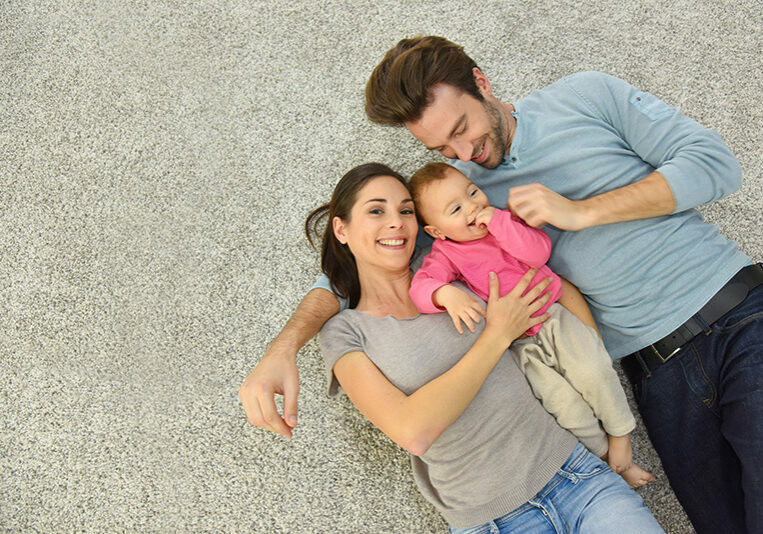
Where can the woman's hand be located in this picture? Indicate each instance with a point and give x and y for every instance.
(508, 317)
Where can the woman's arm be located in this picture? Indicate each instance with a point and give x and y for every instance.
(415, 421)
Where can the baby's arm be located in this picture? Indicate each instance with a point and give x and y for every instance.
(431, 292)
(460, 305)
(529, 245)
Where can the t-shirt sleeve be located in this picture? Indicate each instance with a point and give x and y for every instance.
(338, 337)
(324, 283)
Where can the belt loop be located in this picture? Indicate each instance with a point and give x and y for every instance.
(643, 364)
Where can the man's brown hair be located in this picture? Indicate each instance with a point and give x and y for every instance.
(399, 89)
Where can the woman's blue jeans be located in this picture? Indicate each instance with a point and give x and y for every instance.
(584, 496)
(703, 410)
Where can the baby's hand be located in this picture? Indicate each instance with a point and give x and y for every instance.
(460, 306)
(484, 216)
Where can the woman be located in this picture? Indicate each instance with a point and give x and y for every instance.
(485, 453)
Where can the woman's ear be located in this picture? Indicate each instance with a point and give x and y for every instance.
(338, 226)
(434, 231)
(482, 83)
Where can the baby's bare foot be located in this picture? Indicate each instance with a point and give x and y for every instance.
(636, 477)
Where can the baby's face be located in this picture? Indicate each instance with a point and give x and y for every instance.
(450, 207)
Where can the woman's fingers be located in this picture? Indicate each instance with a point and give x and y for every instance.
(537, 289)
(535, 302)
(524, 282)
(493, 287)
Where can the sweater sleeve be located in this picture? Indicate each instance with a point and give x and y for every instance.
(697, 165)
(529, 245)
(436, 271)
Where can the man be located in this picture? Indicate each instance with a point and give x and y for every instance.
(613, 175)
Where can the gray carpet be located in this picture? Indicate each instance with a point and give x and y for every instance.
(157, 160)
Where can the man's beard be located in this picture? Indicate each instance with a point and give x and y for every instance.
(499, 134)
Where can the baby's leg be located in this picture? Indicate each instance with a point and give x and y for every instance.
(620, 459)
(558, 397)
(580, 357)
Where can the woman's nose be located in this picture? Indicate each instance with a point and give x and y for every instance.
(395, 220)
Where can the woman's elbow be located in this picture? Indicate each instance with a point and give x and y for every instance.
(417, 441)
(417, 447)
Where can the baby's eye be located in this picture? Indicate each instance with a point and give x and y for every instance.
(473, 192)
(455, 210)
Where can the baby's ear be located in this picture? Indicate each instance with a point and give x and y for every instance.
(434, 231)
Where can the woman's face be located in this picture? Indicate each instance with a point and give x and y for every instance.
(382, 227)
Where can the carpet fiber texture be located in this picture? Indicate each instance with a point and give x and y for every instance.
(157, 160)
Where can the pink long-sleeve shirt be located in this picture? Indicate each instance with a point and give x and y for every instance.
(509, 249)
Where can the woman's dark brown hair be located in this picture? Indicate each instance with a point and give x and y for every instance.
(337, 262)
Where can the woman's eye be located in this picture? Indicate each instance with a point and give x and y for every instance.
(376, 211)
(407, 211)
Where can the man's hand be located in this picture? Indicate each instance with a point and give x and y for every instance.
(537, 205)
(275, 374)
(460, 305)
(484, 216)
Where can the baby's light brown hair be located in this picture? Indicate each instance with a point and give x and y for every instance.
(433, 171)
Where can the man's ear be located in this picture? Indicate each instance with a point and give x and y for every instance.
(482, 83)
(434, 231)
(338, 226)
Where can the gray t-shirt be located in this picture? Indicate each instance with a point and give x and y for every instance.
(502, 449)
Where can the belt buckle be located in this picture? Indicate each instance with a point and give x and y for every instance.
(666, 358)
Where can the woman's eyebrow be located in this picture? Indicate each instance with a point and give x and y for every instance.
(384, 200)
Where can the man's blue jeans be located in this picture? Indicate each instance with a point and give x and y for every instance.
(585, 496)
(703, 410)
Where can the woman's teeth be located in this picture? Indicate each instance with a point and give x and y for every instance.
(392, 242)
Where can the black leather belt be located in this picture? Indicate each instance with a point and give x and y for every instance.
(726, 299)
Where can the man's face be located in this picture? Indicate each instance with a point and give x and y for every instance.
(459, 126)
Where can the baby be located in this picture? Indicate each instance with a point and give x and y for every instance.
(563, 358)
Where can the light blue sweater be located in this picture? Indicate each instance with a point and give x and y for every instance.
(590, 133)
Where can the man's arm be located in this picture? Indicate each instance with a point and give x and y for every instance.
(538, 205)
(692, 165)
(277, 371)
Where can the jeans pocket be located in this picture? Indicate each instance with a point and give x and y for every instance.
(481, 529)
(584, 466)
(640, 388)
